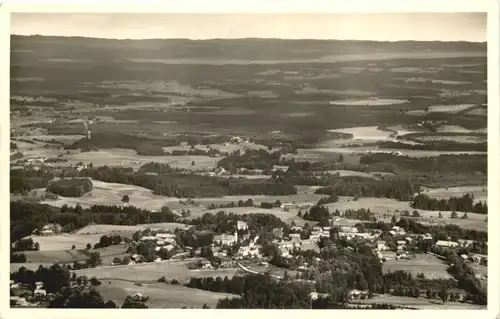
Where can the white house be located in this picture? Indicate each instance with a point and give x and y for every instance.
(466, 242)
(165, 236)
(225, 239)
(446, 244)
(315, 295)
(39, 293)
(241, 225)
(381, 246)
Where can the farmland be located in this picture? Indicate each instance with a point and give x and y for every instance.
(112, 194)
(246, 137)
(431, 266)
(69, 256)
(420, 303)
(129, 158)
(160, 295)
(153, 271)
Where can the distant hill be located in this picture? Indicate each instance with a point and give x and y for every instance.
(38, 47)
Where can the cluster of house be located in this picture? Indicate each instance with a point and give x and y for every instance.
(48, 230)
(160, 240)
(352, 295)
(38, 294)
(35, 159)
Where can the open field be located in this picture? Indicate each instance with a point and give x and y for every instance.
(368, 133)
(449, 108)
(112, 194)
(479, 112)
(387, 205)
(126, 230)
(459, 129)
(129, 158)
(368, 102)
(55, 256)
(326, 152)
(343, 173)
(69, 256)
(431, 266)
(65, 241)
(480, 193)
(36, 150)
(153, 271)
(161, 295)
(66, 139)
(30, 266)
(419, 303)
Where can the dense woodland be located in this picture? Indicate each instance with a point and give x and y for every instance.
(26, 217)
(448, 146)
(258, 159)
(437, 171)
(357, 186)
(74, 187)
(25, 179)
(461, 204)
(189, 185)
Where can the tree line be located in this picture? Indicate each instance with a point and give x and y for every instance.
(448, 146)
(251, 159)
(462, 204)
(357, 186)
(26, 217)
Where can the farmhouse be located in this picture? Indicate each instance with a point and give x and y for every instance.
(478, 258)
(426, 236)
(315, 295)
(241, 225)
(287, 206)
(39, 293)
(56, 228)
(401, 245)
(356, 294)
(466, 242)
(381, 246)
(446, 244)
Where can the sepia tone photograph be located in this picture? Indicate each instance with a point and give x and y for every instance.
(249, 161)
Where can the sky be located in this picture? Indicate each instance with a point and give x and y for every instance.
(341, 26)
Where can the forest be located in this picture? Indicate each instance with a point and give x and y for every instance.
(357, 186)
(251, 159)
(184, 185)
(74, 187)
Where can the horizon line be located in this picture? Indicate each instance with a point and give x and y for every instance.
(242, 38)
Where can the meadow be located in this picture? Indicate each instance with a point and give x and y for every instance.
(148, 272)
(419, 303)
(161, 295)
(431, 266)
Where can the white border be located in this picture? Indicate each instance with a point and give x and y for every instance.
(248, 6)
